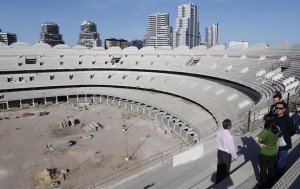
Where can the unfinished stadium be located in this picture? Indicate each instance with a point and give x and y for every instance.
(186, 92)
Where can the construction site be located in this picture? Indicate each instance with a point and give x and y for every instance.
(73, 145)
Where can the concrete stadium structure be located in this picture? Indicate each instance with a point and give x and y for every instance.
(190, 91)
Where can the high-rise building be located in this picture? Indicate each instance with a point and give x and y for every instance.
(7, 38)
(159, 33)
(187, 26)
(88, 35)
(50, 34)
(112, 42)
(211, 35)
(136, 42)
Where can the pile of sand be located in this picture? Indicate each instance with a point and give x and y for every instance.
(43, 178)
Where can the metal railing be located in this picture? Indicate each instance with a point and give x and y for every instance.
(253, 119)
(116, 176)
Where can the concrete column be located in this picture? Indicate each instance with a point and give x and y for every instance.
(85, 100)
(21, 106)
(186, 135)
(180, 129)
(56, 99)
(67, 98)
(130, 106)
(93, 98)
(7, 106)
(174, 126)
(45, 100)
(33, 102)
(77, 98)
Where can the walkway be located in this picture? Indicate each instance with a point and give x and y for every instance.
(201, 173)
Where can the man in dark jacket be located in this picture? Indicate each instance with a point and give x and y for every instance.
(288, 129)
(277, 97)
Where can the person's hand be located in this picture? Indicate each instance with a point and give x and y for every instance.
(262, 145)
(234, 159)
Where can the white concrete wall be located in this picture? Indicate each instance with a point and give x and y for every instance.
(190, 155)
(194, 153)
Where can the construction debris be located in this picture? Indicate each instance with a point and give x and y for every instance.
(60, 144)
(63, 174)
(68, 122)
(27, 114)
(45, 179)
(93, 127)
(43, 113)
(87, 136)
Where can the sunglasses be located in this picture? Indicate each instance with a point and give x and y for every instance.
(279, 108)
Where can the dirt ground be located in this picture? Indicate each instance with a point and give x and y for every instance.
(25, 159)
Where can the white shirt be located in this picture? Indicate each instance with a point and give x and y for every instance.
(225, 142)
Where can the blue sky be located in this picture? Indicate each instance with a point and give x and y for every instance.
(269, 21)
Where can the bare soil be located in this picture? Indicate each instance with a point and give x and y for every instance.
(24, 158)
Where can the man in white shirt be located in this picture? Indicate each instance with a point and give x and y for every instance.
(226, 151)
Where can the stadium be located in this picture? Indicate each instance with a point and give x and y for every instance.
(187, 92)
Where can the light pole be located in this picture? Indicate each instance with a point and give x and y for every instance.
(139, 146)
(126, 158)
(124, 129)
(54, 184)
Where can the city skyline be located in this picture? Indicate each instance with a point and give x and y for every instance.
(270, 21)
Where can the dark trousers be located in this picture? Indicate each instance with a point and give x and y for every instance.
(223, 167)
(281, 163)
(267, 166)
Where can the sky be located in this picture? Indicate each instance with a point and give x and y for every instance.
(255, 21)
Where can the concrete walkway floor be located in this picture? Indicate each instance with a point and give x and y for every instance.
(201, 173)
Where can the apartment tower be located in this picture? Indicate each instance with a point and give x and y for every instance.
(187, 26)
(211, 35)
(112, 42)
(159, 32)
(7, 38)
(88, 35)
(50, 34)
